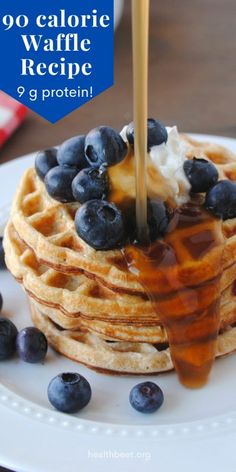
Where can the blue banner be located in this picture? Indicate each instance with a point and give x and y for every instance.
(56, 55)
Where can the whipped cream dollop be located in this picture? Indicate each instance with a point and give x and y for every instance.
(168, 159)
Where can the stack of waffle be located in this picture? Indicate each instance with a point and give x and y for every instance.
(89, 305)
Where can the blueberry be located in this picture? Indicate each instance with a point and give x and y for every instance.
(2, 255)
(146, 397)
(157, 133)
(221, 199)
(69, 392)
(44, 161)
(71, 153)
(58, 182)
(100, 224)
(90, 183)
(202, 174)
(8, 333)
(104, 145)
(158, 219)
(31, 345)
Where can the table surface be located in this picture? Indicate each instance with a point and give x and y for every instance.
(192, 78)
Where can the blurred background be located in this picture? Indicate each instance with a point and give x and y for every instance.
(192, 77)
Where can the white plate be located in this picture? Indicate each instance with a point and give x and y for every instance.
(34, 437)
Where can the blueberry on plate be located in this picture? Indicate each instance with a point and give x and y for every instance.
(45, 161)
(91, 183)
(201, 174)
(158, 219)
(221, 199)
(31, 345)
(2, 255)
(157, 133)
(58, 182)
(71, 153)
(146, 397)
(8, 333)
(69, 392)
(104, 145)
(100, 224)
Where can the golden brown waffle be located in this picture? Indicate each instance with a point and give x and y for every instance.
(77, 302)
(47, 227)
(223, 158)
(115, 357)
(89, 304)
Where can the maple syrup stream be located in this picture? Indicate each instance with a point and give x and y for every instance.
(140, 29)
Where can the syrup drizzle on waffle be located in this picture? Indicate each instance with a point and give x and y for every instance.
(191, 317)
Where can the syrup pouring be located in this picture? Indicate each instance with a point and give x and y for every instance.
(169, 269)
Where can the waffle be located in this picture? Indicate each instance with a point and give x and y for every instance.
(115, 357)
(102, 311)
(90, 304)
(47, 227)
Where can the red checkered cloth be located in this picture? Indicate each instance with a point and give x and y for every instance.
(12, 114)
